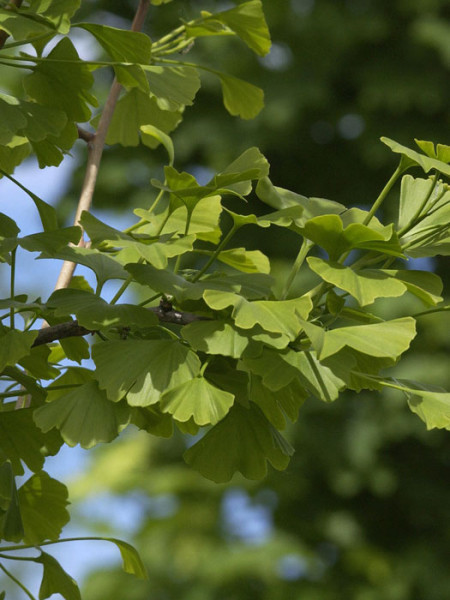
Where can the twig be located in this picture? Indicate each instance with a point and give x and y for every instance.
(95, 150)
(85, 135)
(74, 329)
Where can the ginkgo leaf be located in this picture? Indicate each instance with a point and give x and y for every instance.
(131, 560)
(51, 241)
(84, 416)
(425, 162)
(56, 12)
(15, 345)
(248, 261)
(243, 441)
(122, 45)
(43, 502)
(63, 83)
(279, 198)
(275, 316)
(432, 406)
(104, 267)
(150, 131)
(143, 369)
(21, 440)
(173, 87)
(197, 399)
(55, 580)
(276, 406)
(327, 231)
(425, 285)
(215, 337)
(11, 526)
(365, 286)
(248, 22)
(387, 339)
(134, 109)
(241, 99)
(93, 312)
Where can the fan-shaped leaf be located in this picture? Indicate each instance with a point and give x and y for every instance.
(243, 441)
(197, 399)
(84, 416)
(43, 502)
(143, 369)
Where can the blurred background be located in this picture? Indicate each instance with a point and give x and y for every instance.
(363, 510)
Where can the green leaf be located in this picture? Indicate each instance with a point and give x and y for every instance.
(365, 286)
(275, 316)
(13, 153)
(197, 399)
(121, 45)
(134, 109)
(430, 231)
(431, 404)
(243, 441)
(328, 232)
(280, 198)
(21, 440)
(425, 162)
(173, 87)
(11, 526)
(43, 502)
(37, 363)
(204, 222)
(279, 369)
(441, 152)
(248, 261)
(56, 12)
(103, 266)
(51, 241)
(278, 405)
(387, 339)
(132, 562)
(11, 118)
(425, 285)
(241, 99)
(47, 213)
(143, 369)
(161, 137)
(93, 312)
(55, 580)
(248, 22)
(215, 337)
(84, 416)
(20, 27)
(63, 82)
(15, 345)
(152, 420)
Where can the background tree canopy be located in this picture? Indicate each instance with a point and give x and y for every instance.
(362, 510)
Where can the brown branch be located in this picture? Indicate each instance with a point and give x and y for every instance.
(74, 329)
(85, 135)
(4, 35)
(95, 151)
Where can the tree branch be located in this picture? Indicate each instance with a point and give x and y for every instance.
(74, 329)
(95, 151)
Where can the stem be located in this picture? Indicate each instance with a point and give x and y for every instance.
(387, 188)
(17, 582)
(302, 253)
(11, 285)
(417, 214)
(216, 253)
(95, 151)
(430, 311)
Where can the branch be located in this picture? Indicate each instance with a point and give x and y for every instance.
(74, 329)
(95, 151)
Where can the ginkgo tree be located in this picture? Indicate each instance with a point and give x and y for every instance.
(212, 345)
